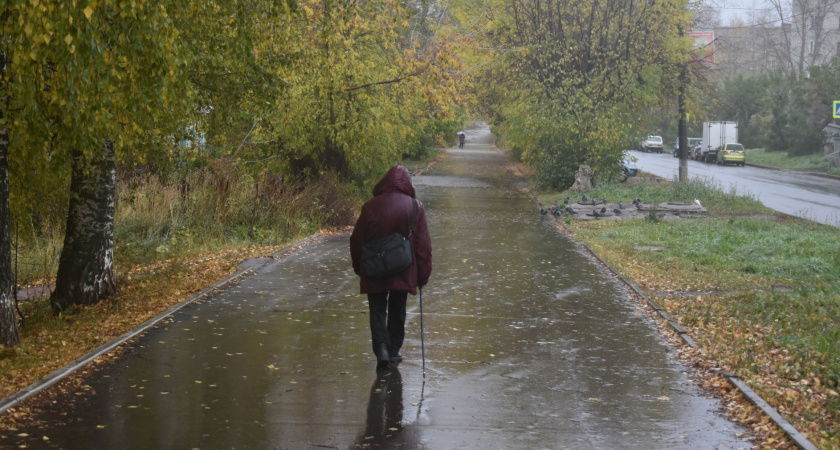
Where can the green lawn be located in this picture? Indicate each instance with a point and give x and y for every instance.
(781, 160)
(760, 292)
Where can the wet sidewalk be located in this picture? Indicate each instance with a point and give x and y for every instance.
(528, 345)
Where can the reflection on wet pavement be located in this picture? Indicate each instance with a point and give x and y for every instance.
(528, 345)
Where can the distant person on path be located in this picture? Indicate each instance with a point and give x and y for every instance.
(461, 137)
(389, 211)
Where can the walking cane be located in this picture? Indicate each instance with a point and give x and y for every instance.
(422, 343)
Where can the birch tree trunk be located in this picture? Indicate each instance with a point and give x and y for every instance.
(9, 333)
(86, 266)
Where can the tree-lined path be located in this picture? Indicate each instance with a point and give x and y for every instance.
(529, 344)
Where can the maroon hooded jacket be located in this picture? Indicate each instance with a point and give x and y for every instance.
(389, 211)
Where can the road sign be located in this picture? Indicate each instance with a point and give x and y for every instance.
(837, 109)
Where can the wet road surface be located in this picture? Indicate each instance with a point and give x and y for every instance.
(528, 345)
(796, 193)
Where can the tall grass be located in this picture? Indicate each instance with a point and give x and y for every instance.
(781, 160)
(211, 209)
(215, 207)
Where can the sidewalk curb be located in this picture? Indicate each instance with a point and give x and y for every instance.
(795, 435)
(804, 171)
(60, 374)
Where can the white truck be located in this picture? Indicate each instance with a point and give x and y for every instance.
(715, 136)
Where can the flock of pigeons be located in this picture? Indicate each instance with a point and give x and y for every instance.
(558, 211)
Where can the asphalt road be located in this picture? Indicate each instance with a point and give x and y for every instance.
(796, 193)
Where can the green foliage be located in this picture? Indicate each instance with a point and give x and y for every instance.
(781, 112)
(743, 100)
(79, 74)
(308, 89)
(575, 78)
(236, 55)
(361, 93)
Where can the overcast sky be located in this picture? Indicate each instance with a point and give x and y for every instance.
(735, 9)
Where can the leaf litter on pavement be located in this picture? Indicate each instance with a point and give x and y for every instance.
(50, 342)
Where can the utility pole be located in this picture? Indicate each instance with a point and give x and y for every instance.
(682, 125)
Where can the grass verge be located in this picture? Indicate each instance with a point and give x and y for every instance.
(758, 291)
(781, 160)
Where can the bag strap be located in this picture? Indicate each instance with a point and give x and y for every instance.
(413, 216)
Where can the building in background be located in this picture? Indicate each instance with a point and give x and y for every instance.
(816, 33)
(809, 35)
(747, 50)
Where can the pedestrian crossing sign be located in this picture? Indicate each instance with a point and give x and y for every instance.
(837, 109)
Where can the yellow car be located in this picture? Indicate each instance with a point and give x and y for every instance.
(732, 154)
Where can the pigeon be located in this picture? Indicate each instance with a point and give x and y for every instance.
(571, 211)
(617, 212)
(543, 211)
(558, 212)
(584, 199)
(594, 202)
(605, 200)
(603, 210)
(566, 201)
(620, 205)
(595, 213)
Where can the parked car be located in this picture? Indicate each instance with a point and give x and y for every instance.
(692, 142)
(733, 153)
(628, 169)
(652, 144)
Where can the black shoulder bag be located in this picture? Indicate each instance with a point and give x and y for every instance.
(389, 255)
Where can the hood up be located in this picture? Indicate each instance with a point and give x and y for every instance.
(397, 179)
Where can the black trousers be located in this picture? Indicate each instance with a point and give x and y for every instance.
(387, 320)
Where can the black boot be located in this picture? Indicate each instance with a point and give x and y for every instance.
(396, 358)
(383, 358)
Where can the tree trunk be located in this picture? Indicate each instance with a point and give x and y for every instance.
(583, 179)
(9, 333)
(86, 266)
